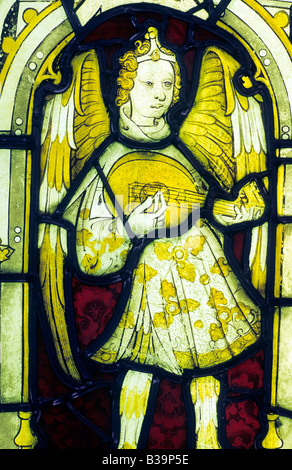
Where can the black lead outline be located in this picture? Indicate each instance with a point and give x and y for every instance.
(32, 143)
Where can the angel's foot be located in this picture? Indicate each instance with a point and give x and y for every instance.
(205, 392)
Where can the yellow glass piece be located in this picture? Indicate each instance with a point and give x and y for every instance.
(26, 350)
(272, 440)
(29, 15)
(282, 19)
(51, 278)
(281, 189)
(8, 44)
(247, 163)
(186, 359)
(134, 402)
(25, 438)
(276, 330)
(208, 387)
(278, 259)
(207, 130)
(246, 82)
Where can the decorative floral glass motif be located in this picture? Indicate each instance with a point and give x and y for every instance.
(145, 152)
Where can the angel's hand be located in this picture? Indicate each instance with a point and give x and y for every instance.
(142, 222)
(248, 206)
(242, 214)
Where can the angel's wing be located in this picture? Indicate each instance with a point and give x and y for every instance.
(224, 130)
(75, 123)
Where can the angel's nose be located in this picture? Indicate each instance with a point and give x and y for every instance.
(159, 93)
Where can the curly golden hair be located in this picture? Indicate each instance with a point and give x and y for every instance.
(129, 67)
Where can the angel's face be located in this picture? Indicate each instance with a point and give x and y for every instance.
(152, 93)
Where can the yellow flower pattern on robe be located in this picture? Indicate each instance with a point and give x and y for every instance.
(127, 322)
(144, 273)
(195, 243)
(172, 307)
(221, 267)
(186, 307)
(92, 261)
(224, 314)
(180, 254)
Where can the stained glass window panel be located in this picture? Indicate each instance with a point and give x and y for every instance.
(145, 207)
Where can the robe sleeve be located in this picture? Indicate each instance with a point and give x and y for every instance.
(102, 242)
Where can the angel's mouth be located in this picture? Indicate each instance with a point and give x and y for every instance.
(157, 106)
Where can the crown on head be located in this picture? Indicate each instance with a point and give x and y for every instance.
(155, 53)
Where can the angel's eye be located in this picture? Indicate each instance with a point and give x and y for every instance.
(148, 83)
(167, 84)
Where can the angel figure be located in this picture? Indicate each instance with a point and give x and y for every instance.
(129, 202)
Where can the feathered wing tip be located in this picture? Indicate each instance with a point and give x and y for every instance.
(249, 138)
(75, 123)
(91, 119)
(51, 279)
(224, 130)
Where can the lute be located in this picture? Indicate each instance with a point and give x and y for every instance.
(249, 196)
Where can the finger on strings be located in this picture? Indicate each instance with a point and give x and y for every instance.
(145, 205)
(237, 210)
(244, 210)
(162, 209)
(156, 198)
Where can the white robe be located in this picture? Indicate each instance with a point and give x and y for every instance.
(186, 308)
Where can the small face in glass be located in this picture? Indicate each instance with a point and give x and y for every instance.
(152, 93)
